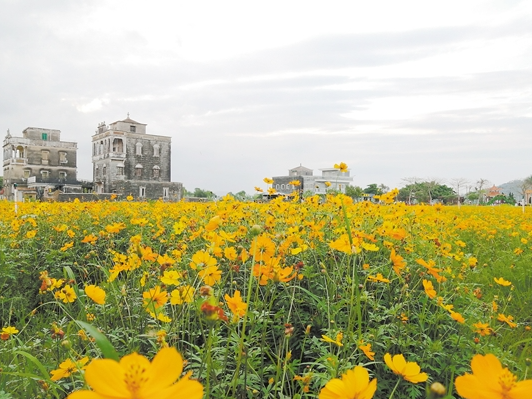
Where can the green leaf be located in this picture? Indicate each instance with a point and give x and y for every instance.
(103, 343)
(35, 361)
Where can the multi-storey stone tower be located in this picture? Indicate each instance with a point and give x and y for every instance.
(39, 162)
(128, 161)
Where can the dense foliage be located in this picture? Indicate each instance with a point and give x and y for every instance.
(263, 300)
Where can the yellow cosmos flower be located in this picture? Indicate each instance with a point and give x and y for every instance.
(213, 224)
(342, 167)
(354, 384)
(237, 305)
(410, 371)
(67, 246)
(337, 341)
(154, 298)
(135, 377)
(7, 332)
(490, 381)
(502, 281)
(268, 180)
(68, 367)
(210, 275)
(182, 295)
(327, 184)
(90, 239)
(230, 253)
(66, 294)
(378, 278)
(170, 277)
(96, 294)
(202, 259)
(429, 289)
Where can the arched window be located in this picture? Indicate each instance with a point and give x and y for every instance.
(138, 149)
(156, 171)
(156, 150)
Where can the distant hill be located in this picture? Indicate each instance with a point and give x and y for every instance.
(514, 187)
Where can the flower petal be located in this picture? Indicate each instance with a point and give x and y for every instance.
(166, 367)
(184, 388)
(469, 386)
(523, 390)
(106, 377)
(85, 395)
(369, 391)
(399, 364)
(334, 389)
(487, 369)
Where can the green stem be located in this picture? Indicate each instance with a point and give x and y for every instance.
(394, 388)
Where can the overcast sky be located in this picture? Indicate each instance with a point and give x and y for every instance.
(250, 89)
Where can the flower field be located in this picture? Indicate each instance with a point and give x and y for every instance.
(321, 298)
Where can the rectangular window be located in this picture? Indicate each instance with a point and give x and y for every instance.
(62, 175)
(45, 174)
(132, 129)
(44, 156)
(63, 157)
(165, 192)
(120, 170)
(44, 136)
(142, 192)
(26, 173)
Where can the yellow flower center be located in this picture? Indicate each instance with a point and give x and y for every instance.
(135, 377)
(507, 381)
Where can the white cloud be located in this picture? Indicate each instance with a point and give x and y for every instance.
(93, 105)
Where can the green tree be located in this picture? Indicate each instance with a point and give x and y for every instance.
(373, 189)
(200, 193)
(354, 192)
(426, 191)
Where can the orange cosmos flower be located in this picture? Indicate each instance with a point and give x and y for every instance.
(136, 377)
(458, 317)
(398, 262)
(507, 319)
(410, 371)
(367, 351)
(354, 384)
(490, 381)
(96, 294)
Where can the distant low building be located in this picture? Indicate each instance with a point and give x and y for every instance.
(493, 192)
(39, 163)
(128, 161)
(330, 179)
